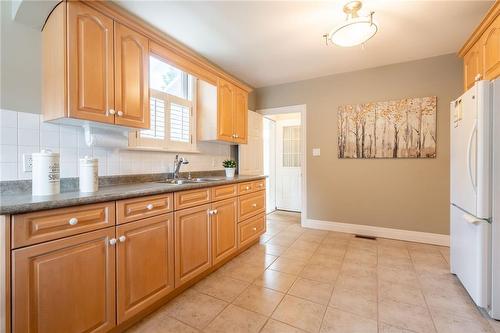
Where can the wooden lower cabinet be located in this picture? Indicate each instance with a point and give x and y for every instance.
(251, 229)
(224, 232)
(65, 286)
(144, 264)
(192, 243)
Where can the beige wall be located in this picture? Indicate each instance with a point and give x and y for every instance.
(405, 194)
(20, 66)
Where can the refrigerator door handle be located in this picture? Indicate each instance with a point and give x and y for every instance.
(469, 148)
(471, 219)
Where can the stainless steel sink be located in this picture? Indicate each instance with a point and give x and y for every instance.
(188, 181)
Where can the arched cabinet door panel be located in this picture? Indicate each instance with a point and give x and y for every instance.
(131, 78)
(473, 66)
(90, 64)
(225, 114)
(491, 50)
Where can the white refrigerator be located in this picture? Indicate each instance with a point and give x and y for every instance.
(474, 248)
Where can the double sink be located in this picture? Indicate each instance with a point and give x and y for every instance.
(182, 181)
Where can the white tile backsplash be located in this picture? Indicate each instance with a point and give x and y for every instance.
(25, 133)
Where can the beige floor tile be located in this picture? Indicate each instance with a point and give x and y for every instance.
(385, 328)
(296, 253)
(362, 257)
(459, 304)
(314, 291)
(393, 252)
(453, 323)
(274, 326)
(259, 299)
(164, 324)
(194, 308)
(358, 270)
(274, 250)
(395, 275)
(395, 262)
(366, 285)
(495, 324)
(276, 280)
(312, 237)
(305, 245)
(236, 319)
(420, 258)
(393, 243)
(325, 260)
(401, 293)
(222, 287)
(300, 313)
(282, 240)
(288, 265)
(242, 271)
(331, 251)
(258, 259)
(320, 273)
(411, 317)
(354, 302)
(337, 321)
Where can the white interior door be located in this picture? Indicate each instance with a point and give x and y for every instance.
(288, 168)
(270, 163)
(251, 155)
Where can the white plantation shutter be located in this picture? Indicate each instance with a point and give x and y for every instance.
(172, 123)
(291, 146)
(157, 113)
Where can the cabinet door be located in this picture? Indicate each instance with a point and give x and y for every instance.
(144, 264)
(131, 78)
(240, 115)
(225, 114)
(224, 232)
(192, 243)
(90, 64)
(491, 50)
(66, 285)
(473, 66)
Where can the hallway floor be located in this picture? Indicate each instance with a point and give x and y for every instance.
(305, 280)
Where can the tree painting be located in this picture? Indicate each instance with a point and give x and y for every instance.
(403, 128)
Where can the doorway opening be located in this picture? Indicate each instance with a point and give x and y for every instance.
(284, 160)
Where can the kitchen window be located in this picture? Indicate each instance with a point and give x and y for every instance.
(171, 101)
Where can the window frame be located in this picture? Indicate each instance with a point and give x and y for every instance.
(166, 144)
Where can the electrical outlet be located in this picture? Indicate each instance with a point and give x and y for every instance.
(27, 162)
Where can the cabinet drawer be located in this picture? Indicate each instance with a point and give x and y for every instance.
(259, 185)
(191, 198)
(42, 226)
(246, 187)
(224, 192)
(251, 204)
(138, 208)
(251, 229)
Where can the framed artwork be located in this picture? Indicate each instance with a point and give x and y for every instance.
(404, 128)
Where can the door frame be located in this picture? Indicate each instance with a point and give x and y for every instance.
(302, 109)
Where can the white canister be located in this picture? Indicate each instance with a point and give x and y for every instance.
(46, 173)
(89, 178)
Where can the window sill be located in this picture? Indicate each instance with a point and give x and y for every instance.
(165, 150)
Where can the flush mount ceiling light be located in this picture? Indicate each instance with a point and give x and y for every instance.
(355, 30)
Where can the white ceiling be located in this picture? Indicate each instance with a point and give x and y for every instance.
(272, 42)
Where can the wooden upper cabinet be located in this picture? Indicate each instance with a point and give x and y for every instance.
(481, 52)
(131, 78)
(90, 64)
(144, 264)
(67, 285)
(225, 115)
(93, 68)
(224, 232)
(240, 115)
(192, 243)
(490, 42)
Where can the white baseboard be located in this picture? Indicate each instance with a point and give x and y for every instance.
(368, 230)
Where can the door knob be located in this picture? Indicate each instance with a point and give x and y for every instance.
(119, 113)
(111, 111)
(254, 228)
(112, 241)
(122, 238)
(149, 206)
(254, 205)
(73, 221)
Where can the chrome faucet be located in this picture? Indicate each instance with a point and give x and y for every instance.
(177, 165)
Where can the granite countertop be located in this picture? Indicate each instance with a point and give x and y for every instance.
(24, 202)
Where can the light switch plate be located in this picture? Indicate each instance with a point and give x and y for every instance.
(316, 152)
(27, 163)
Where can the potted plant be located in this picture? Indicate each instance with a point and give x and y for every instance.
(230, 167)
